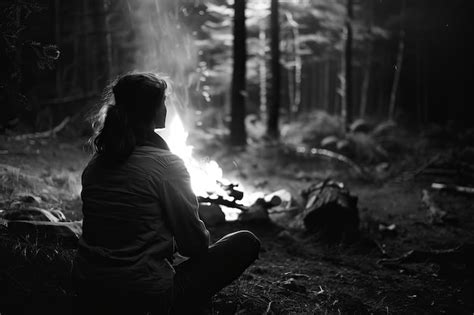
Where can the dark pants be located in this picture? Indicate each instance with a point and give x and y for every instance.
(195, 282)
(198, 279)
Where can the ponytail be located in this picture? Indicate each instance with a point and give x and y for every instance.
(116, 139)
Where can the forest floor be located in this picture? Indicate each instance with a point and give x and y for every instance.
(296, 273)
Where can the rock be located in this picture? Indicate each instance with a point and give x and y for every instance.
(343, 145)
(387, 230)
(329, 142)
(211, 214)
(286, 236)
(28, 198)
(293, 285)
(385, 128)
(258, 212)
(66, 233)
(32, 214)
(382, 167)
(360, 125)
(260, 183)
(58, 214)
(22, 200)
(280, 197)
(282, 213)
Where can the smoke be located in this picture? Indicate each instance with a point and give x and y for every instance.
(164, 44)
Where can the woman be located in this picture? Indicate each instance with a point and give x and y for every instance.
(139, 212)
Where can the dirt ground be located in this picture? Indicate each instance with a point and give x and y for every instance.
(296, 273)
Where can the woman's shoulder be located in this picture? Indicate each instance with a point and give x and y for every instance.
(154, 155)
(144, 160)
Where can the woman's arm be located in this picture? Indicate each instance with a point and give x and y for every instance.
(181, 210)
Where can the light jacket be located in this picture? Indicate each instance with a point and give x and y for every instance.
(135, 213)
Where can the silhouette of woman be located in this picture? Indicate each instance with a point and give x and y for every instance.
(139, 211)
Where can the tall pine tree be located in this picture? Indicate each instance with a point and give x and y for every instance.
(238, 134)
(274, 108)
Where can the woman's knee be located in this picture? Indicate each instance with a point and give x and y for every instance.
(248, 243)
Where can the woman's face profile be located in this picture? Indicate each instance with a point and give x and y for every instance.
(160, 118)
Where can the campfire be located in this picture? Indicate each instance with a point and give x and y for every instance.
(207, 179)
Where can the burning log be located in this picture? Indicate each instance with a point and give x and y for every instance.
(220, 200)
(260, 209)
(330, 211)
(233, 195)
(231, 190)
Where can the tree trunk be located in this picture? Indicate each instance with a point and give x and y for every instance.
(396, 79)
(104, 44)
(347, 106)
(291, 91)
(238, 135)
(296, 79)
(263, 73)
(368, 63)
(274, 109)
(365, 83)
(398, 69)
(326, 85)
(57, 39)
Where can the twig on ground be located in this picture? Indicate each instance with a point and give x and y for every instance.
(44, 134)
(381, 248)
(459, 253)
(269, 308)
(456, 188)
(321, 291)
(430, 162)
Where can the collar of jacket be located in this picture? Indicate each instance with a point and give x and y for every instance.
(154, 140)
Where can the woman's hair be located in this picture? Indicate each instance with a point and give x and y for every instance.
(121, 122)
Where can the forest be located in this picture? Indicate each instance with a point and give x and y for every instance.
(339, 132)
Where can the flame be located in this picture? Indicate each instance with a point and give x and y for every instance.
(205, 175)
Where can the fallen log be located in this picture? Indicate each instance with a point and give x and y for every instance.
(330, 212)
(44, 134)
(454, 188)
(331, 155)
(461, 254)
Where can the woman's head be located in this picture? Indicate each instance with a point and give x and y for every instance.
(137, 109)
(141, 97)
